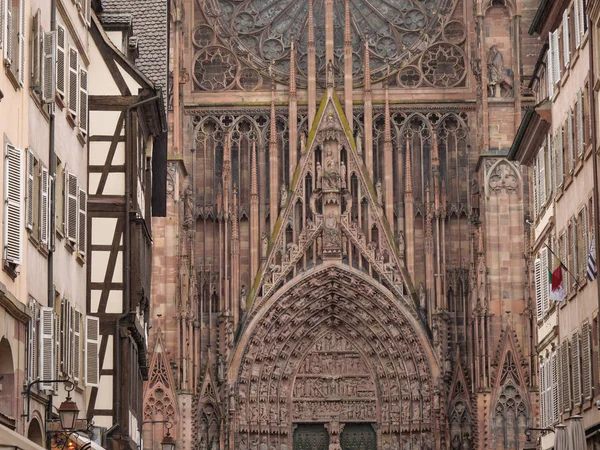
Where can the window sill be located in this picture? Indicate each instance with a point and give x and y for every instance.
(71, 120)
(578, 166)
(11, 76)
(574, 58)
(556, 93)
(60, 101)
(80, 258)
(565, 76)
(70, 246)
(81, 138)
(40, 105)
(588, 152)
(10, 269)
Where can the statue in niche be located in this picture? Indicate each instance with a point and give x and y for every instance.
(189, 207)
(284, 195)
(474, 188)
(243, 297)
(379, 193)
(319, 245)
(302, 143)
(254, 444)
(500, 79)
(401, 243)
(202, 444)
(229, 334)
(214, 445)
(319, 174)
(220, 368)
(359, 143)
(422, 296)
(263, 444)
(343, 174)
(264, 240)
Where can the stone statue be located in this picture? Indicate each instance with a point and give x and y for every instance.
(303, 143)
(243, 297)
(284, 195)
(401, 243)
(214, 445)
(474, 188)
(202, 444)
(220, 368)
(189, 206)
(264, 240)
(498, 76)
(330, 73)
(379, 193)
(263, 444)
(319, 174)
(254, 444)
(422, 296)
(359, 143)
(343, 174)
(229, 335)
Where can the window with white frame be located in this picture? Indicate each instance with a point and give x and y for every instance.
(13, 30)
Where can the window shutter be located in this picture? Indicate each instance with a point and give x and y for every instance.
(1, 22)
(64, 336)
(32, 343)
(49, 67)
(566, 376)
(582, 17)
(73, 81)
(47, 347)
(554, 367)
(36, 46)
(71, 339)
(60, 59)
(76, 348)
(543, 394)
(576, 14)
(574, 260)
(571, 143)
(82, 222)
(21, 40)
(586, 360)
(44, 205)
(566, 42)
(560, 157)
(544, 278)
(92, 337)
(56, 348)
(537, 265)
(555, 58)
(580, 125)
(550, 67)
(30, 184)
(8, 46)
(542, 175)
(87, 10)
(12, 205)
(536, 189)
(584, 250)
(71, 216)
(576, 368)
(551, 164)
(83, 101)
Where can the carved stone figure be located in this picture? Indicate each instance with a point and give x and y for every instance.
(379, 193)
(498, 76)
(422, 296)
(474, 188)
(284, 196)
(319, 175)
(343, 174)
(264, 240)
(263, 444)
(359, 144)
(220, 368)
(303, 143)
(401, 243)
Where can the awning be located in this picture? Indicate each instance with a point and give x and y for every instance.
(12, 439)
(84, 443)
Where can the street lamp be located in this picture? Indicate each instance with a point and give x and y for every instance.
(168, 443)
(68, 413)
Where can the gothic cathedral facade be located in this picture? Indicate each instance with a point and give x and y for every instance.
(345, 259)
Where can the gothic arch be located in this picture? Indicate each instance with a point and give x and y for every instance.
(333, 300)
(159, 397)
(503, 177)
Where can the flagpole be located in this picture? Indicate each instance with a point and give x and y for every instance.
(564, 266)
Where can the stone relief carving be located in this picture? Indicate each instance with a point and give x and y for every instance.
(503, 178)
(500, 79)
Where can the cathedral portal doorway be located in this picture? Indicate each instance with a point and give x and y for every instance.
(311, 437)
(358, 436)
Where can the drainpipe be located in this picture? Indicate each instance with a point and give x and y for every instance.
(127, 259)
(593, 136)
(52, 170)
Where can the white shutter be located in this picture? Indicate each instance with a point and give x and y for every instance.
(555, 58)
(549, 68)
(550, 166)
(73, 81)
(76, 348)
(44, 205)
(536, 189)
(582, 17)
(560, 157)
(8, 45)
(565, 36)
(87, 10)
(49, 67)
(580, 124)
(576, 368)
(32, 343)
(566, 376)
(21, 38)
(71, 207)
(92, 338)
(586, 360)
(47, 364)
(83, 101)
(30, 193)
(545, 260)
(542, 175)
(571, 148)
(542, 394)
(574, 260)
(537, 266)
(554, 367)
(583, 253)
(1, 22)
(576, 14)
(12, 205)
(82, 236)
(60, 59)
(71, 338)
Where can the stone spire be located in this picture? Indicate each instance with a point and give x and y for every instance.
(253, 173)
(348, 65)
(273, 164)
(293, 112)
(368, 111)
(226, 173)
(388, 162)
(254, 214)
(235, 225)
(329, 34)
(312, 67)
(408, 168)
(235, 257)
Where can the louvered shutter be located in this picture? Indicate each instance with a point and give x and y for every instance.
(63, 359)
(44, 205)
(92, 337)
(549, 68)
(551, 164)
(542, 394)
(576, 368)
(30, 184)
(537, 265)
(565, 36)
(545, 263)
(554, 371)
(542, 175)
(57, 344)
(566, 376)
(71, 337)
(574, 260)
(8, 46)
(21, 39)
(73, 81)
(47, 364)
(586, 361)
(582, 17)
(570, 141)
(536, 189)
(36, 46)
(1, 22)
(12, 205)
(49, 67)
(560, 157)
(71, 207)
(87, 10)
(584, 251)
(580, 125)
(60, 59)
(82, 236)
(576, 14)
(555, 58)
(83, 101)
(76, 348)
(32, 343)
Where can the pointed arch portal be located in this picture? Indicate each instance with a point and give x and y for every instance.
(334, 348)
